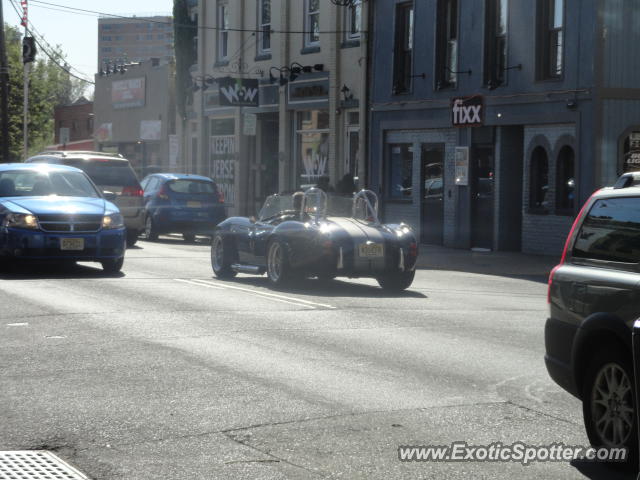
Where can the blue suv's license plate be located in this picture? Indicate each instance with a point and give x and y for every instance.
(73, 244)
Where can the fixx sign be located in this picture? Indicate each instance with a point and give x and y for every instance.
(467, 111)
(239, 92)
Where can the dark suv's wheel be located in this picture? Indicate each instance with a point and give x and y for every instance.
(608, 402)
(150, 231)
(397, 281)
(222, 257)
(279, 271)
(132, 237)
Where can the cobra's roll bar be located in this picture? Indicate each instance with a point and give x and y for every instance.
(321, 203)
(371, 203)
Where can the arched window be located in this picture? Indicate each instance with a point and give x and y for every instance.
(565, 180)
(539, 179)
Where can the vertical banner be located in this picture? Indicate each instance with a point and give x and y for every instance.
(223, 165)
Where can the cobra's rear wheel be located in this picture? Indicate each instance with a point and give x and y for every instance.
(397, 281)
(222, 257)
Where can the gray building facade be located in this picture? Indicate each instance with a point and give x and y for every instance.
(135, 116)
(492, 121)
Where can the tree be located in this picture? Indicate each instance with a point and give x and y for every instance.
(185, 32)
(49, 86)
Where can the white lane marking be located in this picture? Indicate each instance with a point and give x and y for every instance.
(270, 296)
(17, 324)
(293, 299)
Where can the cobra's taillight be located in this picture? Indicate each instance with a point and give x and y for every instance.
(567, 244)
(134, 191)
(413, 249)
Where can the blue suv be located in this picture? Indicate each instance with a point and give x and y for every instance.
(181, 203)
(55, 212)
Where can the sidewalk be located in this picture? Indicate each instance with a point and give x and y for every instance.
(488, 263)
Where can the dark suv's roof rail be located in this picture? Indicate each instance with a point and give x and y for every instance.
(627, 180)
(65, 153)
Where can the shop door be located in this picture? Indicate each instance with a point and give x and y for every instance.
(432, 194)
(482, 197)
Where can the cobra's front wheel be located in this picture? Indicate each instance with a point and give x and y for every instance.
(279, 270)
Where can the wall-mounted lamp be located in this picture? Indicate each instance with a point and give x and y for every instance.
(346, 93)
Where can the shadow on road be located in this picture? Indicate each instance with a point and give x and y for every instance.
(333, 288)
(600, 471)
(50, 270)
(170, 240)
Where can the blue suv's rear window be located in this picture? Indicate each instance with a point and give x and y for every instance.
(611, 231)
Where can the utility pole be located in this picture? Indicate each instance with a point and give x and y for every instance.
(4, 94)
(27, 70)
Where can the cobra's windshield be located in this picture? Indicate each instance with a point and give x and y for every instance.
(337, 206)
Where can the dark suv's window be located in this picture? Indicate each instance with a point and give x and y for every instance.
(611, 231)
(105, 172)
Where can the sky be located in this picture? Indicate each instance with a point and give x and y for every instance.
(77, 34)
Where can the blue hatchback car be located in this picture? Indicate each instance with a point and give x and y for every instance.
(181, 203)
(55, 212)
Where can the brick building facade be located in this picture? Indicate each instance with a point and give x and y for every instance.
(74, 123)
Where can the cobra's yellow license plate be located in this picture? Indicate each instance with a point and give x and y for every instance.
(371, 250)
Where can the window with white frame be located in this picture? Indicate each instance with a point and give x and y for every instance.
(223, 30)
(264, 26)
(312, 23)
(353, 20)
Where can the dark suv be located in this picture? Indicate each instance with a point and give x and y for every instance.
(594, 298)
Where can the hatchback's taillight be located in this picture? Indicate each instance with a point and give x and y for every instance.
(567, 244)
(163, 193)
(132, 192)
(220, 196)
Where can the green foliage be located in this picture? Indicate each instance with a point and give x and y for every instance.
(49, 86)
(185, 32)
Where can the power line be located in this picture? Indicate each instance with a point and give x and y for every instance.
(50, 56)
(83, 11)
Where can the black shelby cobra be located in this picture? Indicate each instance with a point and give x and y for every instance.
(312, 235)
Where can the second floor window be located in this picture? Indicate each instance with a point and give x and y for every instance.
(223, 30)
(495, 43)
(264, 26)
(447, 44)
(550, 39)
(403, 51)
(353, 20)
(312, 23)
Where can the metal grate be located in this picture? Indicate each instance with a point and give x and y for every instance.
(36, 465)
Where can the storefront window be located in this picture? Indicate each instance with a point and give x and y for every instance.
(312, 146)
(631, 158)
(400, 171)
(539, 178)
(565, 178)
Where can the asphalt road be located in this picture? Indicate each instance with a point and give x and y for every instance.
(166, 373)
